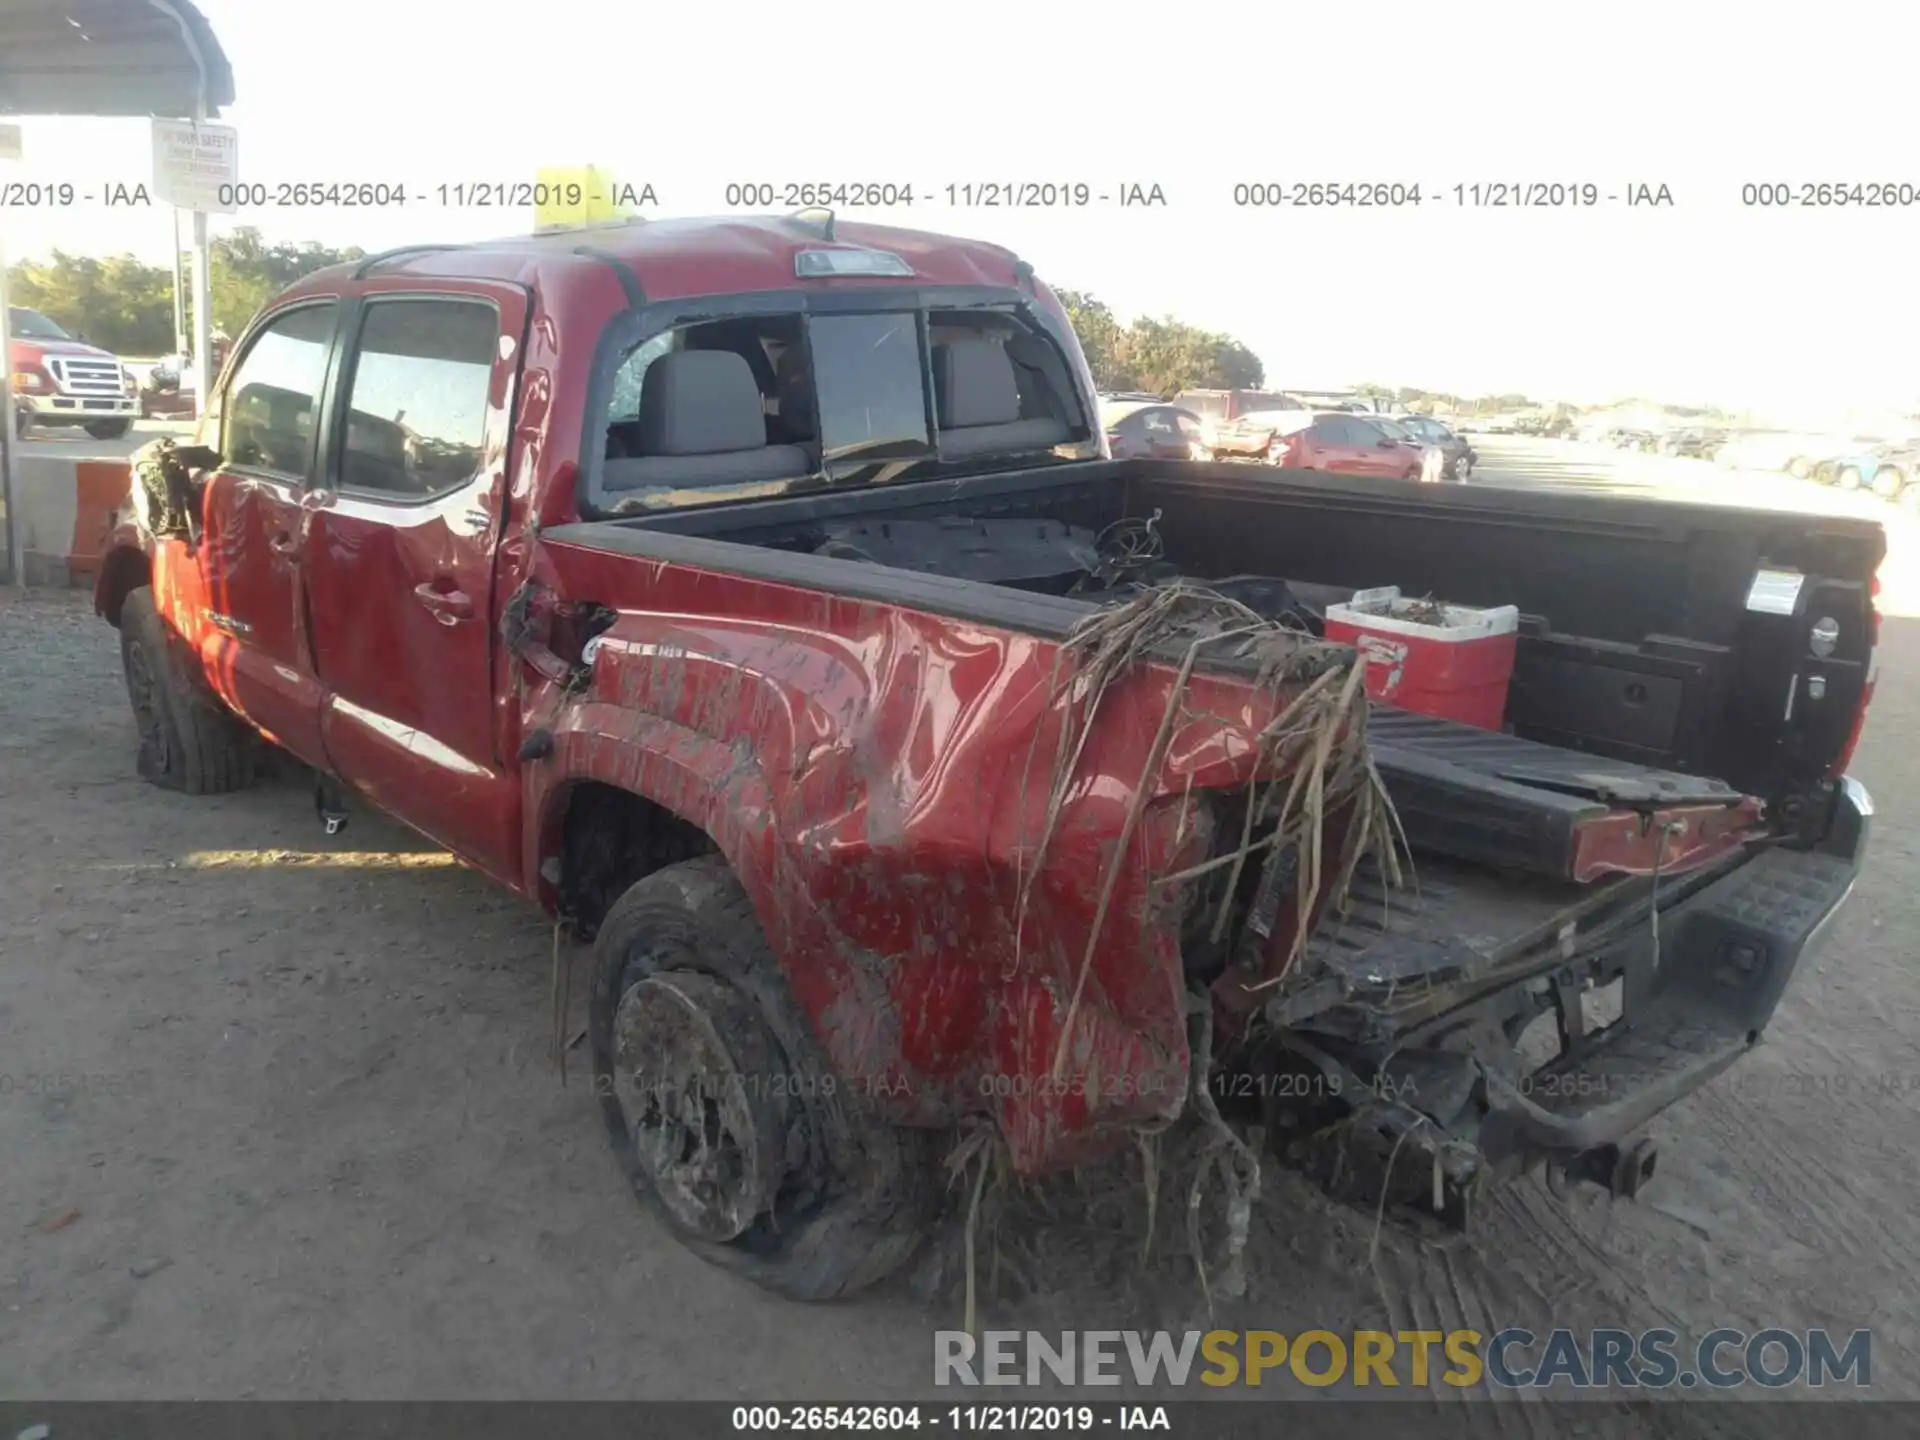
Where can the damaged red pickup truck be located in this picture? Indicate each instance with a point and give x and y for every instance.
(756, 597)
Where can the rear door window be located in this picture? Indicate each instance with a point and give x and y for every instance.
(870, 382)
(417, 408)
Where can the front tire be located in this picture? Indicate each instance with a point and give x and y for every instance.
(108, 429)
(188, 741)
(723, 1110)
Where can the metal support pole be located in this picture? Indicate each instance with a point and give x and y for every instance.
(202, 316)
(179, 289)
(16, 562)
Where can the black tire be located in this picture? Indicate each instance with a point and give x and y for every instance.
(1799, 467)
(1844, 476)
(108, 429)
(860, 1196)
(189, 741)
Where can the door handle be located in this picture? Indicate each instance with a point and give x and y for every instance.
(283, 543)
(447, 606)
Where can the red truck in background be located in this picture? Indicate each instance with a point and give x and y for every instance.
(755, 596)
(60, 380)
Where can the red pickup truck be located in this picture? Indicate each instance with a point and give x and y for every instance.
(755, 595)
(59, 380)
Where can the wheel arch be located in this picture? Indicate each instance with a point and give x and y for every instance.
(123, 569)
(623, 794)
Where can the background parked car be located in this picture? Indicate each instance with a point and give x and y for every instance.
(1698, 442)
(1896, 474)
(1220, 410)
(1337, 441)
(60, 379)
(1154, 432)
(1460, 455)
(1885, 468)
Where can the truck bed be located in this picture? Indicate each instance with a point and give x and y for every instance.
(1650, 668)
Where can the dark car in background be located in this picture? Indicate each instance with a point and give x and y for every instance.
(1137, 431)
(1460, 455)
(1698, 443)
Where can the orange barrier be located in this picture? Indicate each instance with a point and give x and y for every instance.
(66, 512)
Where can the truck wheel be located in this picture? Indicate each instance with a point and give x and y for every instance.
(1886, 482)
(724, 1111)
(1799, 467)
(188, 740)
(1847, 477)
(108, 429)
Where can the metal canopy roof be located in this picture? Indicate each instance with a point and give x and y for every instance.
(110, 57)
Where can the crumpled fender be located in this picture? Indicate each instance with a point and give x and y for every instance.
(879, 788)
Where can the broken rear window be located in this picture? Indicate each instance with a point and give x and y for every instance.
(870, 384)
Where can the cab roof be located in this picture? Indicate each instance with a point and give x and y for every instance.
(682, 258)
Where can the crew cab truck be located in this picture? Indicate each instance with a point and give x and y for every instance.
(710, 584)
(59, 380)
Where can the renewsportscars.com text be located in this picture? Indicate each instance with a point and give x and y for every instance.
(1512, 1359)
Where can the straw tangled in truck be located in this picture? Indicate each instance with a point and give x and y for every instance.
(1310, 760)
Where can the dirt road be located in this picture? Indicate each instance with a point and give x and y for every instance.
(277, 1120)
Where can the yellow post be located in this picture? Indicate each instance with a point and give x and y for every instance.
(571, 195)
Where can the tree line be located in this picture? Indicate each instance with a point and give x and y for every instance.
(125, 305)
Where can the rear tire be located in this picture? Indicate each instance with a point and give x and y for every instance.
(843, 1200)
(189, 741)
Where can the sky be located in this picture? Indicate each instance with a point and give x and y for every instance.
(1706, 301)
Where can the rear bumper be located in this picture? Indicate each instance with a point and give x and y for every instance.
(1692, 998)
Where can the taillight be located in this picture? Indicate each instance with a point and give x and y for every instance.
(1845, 759)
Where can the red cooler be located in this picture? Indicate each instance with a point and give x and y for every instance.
(1451, 661)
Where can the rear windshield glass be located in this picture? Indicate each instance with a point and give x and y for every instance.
(867, 375)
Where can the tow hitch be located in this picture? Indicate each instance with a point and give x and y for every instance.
(1621, 1170)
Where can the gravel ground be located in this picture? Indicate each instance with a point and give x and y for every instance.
(278, 1121)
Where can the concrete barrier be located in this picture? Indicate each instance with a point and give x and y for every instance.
(66, 509)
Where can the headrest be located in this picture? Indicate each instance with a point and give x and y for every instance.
(700, 402)
(974, 384)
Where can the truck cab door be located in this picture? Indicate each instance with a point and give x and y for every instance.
(401, 531)
(235, 594)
